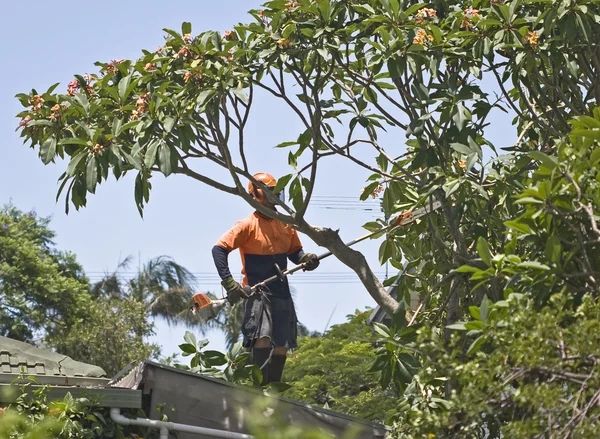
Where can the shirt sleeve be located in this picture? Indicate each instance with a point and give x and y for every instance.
(221, 262)
(235, 237)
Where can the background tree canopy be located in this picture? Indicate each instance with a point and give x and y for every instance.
(405, 90)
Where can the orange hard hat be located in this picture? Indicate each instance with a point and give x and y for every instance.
(266, 179)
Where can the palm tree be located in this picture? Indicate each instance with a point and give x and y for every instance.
(166, 288)
(162, 285)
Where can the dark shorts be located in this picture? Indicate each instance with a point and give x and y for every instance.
(270, 316)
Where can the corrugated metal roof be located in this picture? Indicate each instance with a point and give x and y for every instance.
(17, 357)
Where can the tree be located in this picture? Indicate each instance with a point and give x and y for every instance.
(164, 287)
(41, 288)
(111, 335)
(334, 370)
(370, 72)
(45, 295)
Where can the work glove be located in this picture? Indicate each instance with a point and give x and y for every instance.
(235, 292)
(310, 261)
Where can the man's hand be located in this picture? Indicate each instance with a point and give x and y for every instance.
(310, 261)
(235, 292)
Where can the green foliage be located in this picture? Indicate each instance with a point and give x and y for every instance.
(210, 363)
(111, 334)
(41, 288)
(43, 292)
(335, 371)
(34, 416)
(534, 375)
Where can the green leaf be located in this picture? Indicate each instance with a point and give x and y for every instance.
(467, 269)
(396, 68)
(241, 94)
(519, 226)
(91, 175)
(188, 348)
(457, 326)
(368, 190)
(533, 264)
(382, 330)
(282, 183)
(548, 161)
(190, 338)
(123, 86)
(476, 345)
(484, 251)
(74, 163)
(484, 308)
(460, 117)
(553, 248)
(165, 162)
(461, 148)
(48, 150)
(205, 97)
(83, 100)
(168, 123)
(528, 200)
(214, 358)
(365, 9)
(186, 27)
(286, 144)
(372, 226)
(150, 157)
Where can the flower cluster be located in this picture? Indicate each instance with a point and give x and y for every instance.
(56, 112)
(187, 38)
(111, 67)
(73, 87)
(183, 53)
(421, 37)
(149, 67)
(292, 5)
(466, 23)
(375, 193)
(284, 43)
(424, 14)
(142, 106)
(228, 35)
(469, 14)
(97, 149)
(532, 38)
(37, 102)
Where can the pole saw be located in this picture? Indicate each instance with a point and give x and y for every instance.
(206, 308)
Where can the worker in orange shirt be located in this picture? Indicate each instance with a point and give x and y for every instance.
(269, 324)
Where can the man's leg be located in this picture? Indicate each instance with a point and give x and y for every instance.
(261, 356)
(277, 364)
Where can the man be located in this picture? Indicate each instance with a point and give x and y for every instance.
(269, 324)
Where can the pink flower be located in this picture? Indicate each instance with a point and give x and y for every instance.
(72, 87)
(25, 121)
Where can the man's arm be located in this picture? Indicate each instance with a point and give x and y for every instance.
(220, 257)
(297, 256)
(231, 240)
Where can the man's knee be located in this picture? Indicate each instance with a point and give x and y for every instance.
(263, 342)
(280, 351)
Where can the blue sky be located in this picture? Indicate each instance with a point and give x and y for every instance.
(48, 43)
